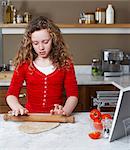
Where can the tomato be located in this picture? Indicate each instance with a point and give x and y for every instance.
(95, 114)
(97, 120)
(98, 124)
(95, 135)
(106, 116)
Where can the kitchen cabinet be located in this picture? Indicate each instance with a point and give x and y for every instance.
(88, 92)
(3, 105)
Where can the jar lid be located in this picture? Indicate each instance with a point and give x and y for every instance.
(100, 9)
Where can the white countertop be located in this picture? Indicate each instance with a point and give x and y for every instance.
(120, 82)
(87, 79)
(68, 136)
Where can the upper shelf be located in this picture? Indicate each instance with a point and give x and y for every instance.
(73, 28)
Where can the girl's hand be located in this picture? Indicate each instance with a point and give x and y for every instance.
(58, 110)
(19, 111)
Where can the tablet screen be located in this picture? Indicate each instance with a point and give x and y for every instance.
(122, 114)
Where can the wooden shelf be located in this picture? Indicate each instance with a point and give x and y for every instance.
(23, 25)
(73, 28)
(94, 25)
(10, 25)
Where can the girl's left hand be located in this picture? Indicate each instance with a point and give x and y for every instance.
(58, 110)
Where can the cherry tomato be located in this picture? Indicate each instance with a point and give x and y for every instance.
(95, 135)
(95, 114)
(98, 124)
(106, 116)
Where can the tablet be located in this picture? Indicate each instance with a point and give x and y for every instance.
(121, 114)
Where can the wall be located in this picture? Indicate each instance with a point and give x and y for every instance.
(82, 47)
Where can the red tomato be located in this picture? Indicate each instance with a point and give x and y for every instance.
(98, 120)
(106, 116)
(98, 124)
(95, 135)
(95, 114)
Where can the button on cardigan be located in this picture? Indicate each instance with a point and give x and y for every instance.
(43, 91)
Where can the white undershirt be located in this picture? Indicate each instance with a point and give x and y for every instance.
(46, 70)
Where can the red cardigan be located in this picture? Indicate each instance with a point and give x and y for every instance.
(43, 91)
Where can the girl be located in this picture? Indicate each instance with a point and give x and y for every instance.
(46, 67)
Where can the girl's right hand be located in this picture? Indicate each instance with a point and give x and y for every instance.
(19, 111)
(58, 110)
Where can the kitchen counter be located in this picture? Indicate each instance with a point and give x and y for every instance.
(120, 82)
(68, 136)
(87, 79)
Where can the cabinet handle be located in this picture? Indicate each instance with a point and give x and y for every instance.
(22, 95)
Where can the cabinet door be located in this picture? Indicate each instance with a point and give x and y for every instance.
(3, 105)
(87, 93)
(4, 108)
(83, 99)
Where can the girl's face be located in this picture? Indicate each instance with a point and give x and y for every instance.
(42, 42)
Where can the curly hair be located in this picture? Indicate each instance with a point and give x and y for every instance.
(58, 55)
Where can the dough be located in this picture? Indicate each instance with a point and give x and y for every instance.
(37, 127)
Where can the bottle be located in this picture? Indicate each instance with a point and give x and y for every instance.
(11, 13)
(109, 14)
(8, 12)
(11, 66)
(14, 16)
(4, 67)
(2, 11)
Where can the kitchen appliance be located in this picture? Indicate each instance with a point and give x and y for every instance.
(111, 62)
(107, 100)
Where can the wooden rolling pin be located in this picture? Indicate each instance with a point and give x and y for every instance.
(40, 118)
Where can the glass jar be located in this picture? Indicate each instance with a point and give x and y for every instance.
(19, 18)
(107, 123)
(96, 67)
(100, 15)
(89, 18)
(27, 17)
(82, 18)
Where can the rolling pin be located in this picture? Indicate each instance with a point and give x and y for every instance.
(40, 118)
